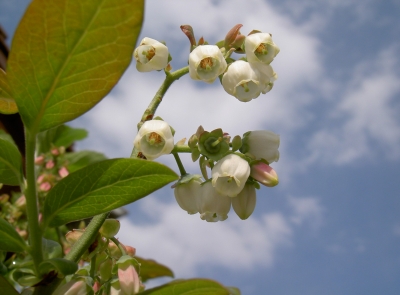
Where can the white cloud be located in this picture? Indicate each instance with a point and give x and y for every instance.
(185, 243)
(365, 121)
(306, 210)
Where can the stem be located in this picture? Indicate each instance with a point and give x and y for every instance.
(32, 210)
(116, 242)
(87, 238)
(181, 149)
(155, 102)
(180, 165)
(93, 267)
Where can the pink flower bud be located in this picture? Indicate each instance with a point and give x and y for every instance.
(55, 152)
(130, 251)
(128, 276)
(45, 186)
(39, 160)
(73, 287)
(264, 174)
(40, 179)
(50, 164)
(63, 172)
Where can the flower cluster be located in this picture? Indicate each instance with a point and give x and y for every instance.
(116, 268)
(237, 168)
(234, 175)
(244, 79)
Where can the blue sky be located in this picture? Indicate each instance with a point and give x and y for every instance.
(332, 226)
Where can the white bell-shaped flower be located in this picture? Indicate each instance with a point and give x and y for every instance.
(187, 195)
(206, 63)
(242, 81)
(266, 75)
(154, 139)
(230, 174)
(245, 202)
(213, 206)
(259, 47)
(151, 55)
(262, 144)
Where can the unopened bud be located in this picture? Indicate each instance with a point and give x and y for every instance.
(264, 174)
(110, 228)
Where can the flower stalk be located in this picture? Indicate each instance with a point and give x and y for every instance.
(155, 102)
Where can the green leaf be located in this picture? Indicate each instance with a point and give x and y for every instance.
(67, 55)
(51, 249)
(82, 159)
(61, 265)
(10, 163)
(7, 102)
(150, 269)
(10, 240)
(6, 287)
(62, 135)
(6, 136)
(189, 287)
(102, 187)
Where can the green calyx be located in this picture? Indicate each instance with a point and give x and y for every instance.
(213, 145)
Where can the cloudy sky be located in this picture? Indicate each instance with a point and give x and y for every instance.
(332, 226)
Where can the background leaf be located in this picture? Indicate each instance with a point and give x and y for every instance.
(66, 55)
(10, 163)
(10, 240)
(78, 160)
(6, 287)
(62, 135)
(189, 287)
(7, 102)
(150, 269)
(102, 187)
(62, 266)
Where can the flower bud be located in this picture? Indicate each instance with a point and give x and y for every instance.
(45, 186)
(230, 174)
(242, 81)
(50, 164)
(261, 144)
(234, 39)
(187, 193)
(154, 139)
(130, 251)
(74, 235)
(264, 174)
(63, 172)
(39, 160)
(110, 228)
(213, 206)
(20, 203)
(151, 55)
(74, 287)
(206, 63)
(245, 202)
(259, 47)
(105, 269)
(128, 277)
